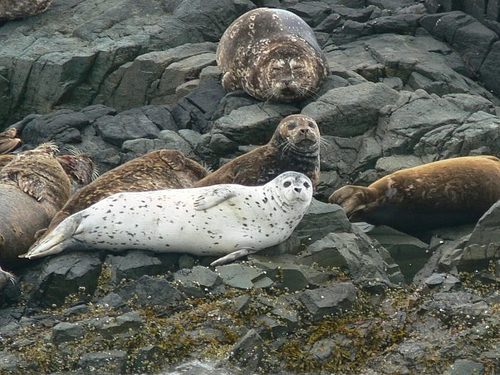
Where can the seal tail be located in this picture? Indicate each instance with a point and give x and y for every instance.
(55, 241)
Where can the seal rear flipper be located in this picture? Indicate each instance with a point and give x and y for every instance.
(231, 257)
(213, 198)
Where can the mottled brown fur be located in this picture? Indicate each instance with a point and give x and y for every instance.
(9, 140)
(293, 147)
(33, 187)
(271, 54)
(162, 169)
(443, 193)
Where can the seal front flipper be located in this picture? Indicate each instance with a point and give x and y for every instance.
(32, 187)
(230, 82)
(57, 240)
(213, 198)
(231, 257)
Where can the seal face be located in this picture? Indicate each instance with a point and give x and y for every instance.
(294, 146)
(33, 187)
(443, 193)
(216, 220)
(271, 54)
(155, 170)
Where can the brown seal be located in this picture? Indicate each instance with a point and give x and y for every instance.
(9, 140)
(443, 193)
(271, 54)
(294, 146)
(33, 187)
(161, 169)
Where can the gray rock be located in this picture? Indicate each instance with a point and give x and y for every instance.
(149, 291)
(66, 274)
(466, 367)
(479, 134)
(483, 245)
(269, 327)
(313, 12)
(469, 37)
(174, 141)
(61, 127)
(467, 307)
(107, 362)
(389, 164)
(248, 351)
(354, 252)
(254, 124)
(9, 362)
(64, 332)
(442, 279)
(401, 126)
(490, 71)
(125, 325)
(350, 111)
(285, 275)
(323, 349)
(130, 124)
(330, 300)
(320, 219)
(406, 23)
(240, 276)
(73, 55)
(111, 300)
(196, 109)
(408, 252)
(216, 16)
(133, 265)
(330, 23)
(432, 63)
(197, 281)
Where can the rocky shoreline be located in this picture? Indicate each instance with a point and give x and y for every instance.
(410, 83)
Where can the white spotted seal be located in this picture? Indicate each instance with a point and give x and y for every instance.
(271, 54)
(443, 193)
(294, 146)
(230, 220)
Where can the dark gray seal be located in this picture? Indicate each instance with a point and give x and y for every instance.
(271, 54)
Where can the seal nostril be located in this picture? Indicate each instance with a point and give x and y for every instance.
(297, 189)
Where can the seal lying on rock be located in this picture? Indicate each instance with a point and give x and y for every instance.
(272, 54)
(33, 187)
(13, 9)
(9, 140)
(161, 169)
(294, 146)
(230, 220)
(443, 193)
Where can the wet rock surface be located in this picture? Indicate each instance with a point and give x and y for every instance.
(409, 84)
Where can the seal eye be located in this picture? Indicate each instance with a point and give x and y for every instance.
(287, 184)
(306, 184)
(292, 125)
(311, 125)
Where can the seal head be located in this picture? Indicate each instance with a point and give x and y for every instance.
(271, 54)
